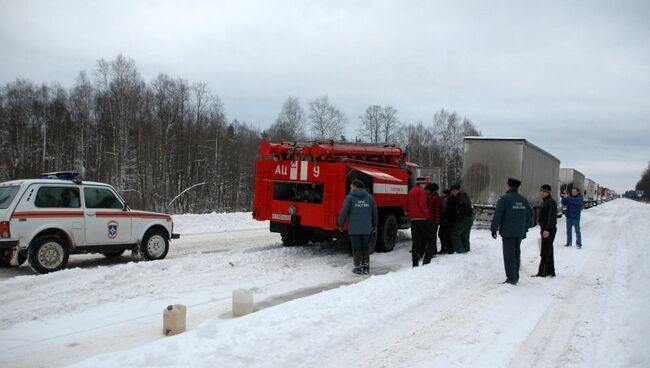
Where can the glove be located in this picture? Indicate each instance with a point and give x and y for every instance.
(494, 234)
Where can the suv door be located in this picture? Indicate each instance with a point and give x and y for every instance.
(105, 218)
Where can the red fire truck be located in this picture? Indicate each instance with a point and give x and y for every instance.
(301, 188)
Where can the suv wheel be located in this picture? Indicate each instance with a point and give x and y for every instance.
(48, 254)
(154, 245)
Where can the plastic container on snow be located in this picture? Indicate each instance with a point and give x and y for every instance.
(174, 318)
(242, 302)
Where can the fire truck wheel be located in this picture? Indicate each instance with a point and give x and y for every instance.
(48, 253)
(387, 233)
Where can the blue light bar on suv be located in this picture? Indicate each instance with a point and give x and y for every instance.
(64, 175)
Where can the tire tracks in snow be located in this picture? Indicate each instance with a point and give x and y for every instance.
(561, 338)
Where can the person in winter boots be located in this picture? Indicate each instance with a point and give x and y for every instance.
(511, 219)
(574, 205)
(435, 205)
(462, 218)
(360, 210)
(548, 228)
(421, 232)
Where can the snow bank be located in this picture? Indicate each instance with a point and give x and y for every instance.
(306, 325)
(216, 223)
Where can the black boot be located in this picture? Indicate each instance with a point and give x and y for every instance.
(357, 256)
(365, 261)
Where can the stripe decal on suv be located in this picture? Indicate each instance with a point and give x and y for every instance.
(135, 215)
(47, 214)
(77, 214)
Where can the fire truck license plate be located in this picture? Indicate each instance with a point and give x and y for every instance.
(277, 216)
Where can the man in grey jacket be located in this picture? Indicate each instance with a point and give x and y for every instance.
(360, 210)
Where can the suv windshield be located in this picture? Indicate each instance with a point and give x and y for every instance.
(7, 195)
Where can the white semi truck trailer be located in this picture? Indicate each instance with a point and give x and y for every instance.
(489, 162)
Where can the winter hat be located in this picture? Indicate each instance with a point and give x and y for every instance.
(432, 187)
(358, 183)
(421, 180)
(514, 182)
(546, 188)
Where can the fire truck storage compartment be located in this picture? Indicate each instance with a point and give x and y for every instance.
(298, 192)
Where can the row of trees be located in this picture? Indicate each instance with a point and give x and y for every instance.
(642, 185)
(155, 140)
(437, 144)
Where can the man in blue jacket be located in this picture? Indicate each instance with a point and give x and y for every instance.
(360, 210)
(511, 219)
(574, 205)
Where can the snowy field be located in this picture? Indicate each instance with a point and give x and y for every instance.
(311, 311)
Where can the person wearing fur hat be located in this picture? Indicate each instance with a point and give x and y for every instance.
(548, 229)
(511, 219)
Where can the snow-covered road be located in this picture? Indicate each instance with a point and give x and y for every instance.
(311, 311)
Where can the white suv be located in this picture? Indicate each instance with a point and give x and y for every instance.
(45, 220)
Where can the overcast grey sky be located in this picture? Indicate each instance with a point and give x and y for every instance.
(573, 77)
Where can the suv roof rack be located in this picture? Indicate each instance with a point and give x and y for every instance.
(63, 175)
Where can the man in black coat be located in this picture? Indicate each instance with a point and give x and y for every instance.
(548, 229)
(462, 217)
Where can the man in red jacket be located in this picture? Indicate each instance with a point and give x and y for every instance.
(421, 232)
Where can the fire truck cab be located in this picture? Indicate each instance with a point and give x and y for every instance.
(300, 189)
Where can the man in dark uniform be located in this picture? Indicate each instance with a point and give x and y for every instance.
(462, 218)
(511, 219)
(360, 210)
(548, 229)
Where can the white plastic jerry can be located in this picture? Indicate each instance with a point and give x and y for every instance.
(242, 302)
(174, 319)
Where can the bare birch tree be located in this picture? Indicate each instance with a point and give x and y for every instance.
(327, 122)
(371, 124)
(290, 124)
